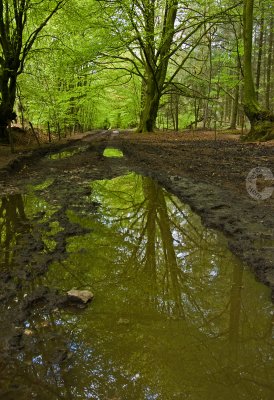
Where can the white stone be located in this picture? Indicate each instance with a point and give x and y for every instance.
(82, 296)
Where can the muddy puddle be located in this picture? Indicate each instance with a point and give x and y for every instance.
(175, 314)
(111, 152)
(68, 152)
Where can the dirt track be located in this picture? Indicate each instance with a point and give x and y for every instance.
(208, 174)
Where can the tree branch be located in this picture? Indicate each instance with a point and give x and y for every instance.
(34, 34)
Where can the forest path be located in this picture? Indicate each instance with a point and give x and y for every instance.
(206, 171)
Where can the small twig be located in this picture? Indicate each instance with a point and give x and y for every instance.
(34, 133)
(11, 139)
(49, 133)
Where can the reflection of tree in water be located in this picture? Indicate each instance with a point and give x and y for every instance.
(30, 237)
(160, 243)
(179, 267)
(158, 229)
(33, 233)
(61, 362)
(24, 238)
(13, 223)
(235, 311)
(152, 263)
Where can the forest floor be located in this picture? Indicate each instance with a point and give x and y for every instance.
(204, 170)
(26, 146)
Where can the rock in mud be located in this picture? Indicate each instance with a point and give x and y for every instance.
(80, 296)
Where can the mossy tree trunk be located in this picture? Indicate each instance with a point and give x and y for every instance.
(156, 59)
(150, 109)
(153, 89)
(261, 120)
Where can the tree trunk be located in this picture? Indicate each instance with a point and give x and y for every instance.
(207, 116)
(235, 107)
(234, 113)
(174, 108)
(269, 64)
(150, 107)
(156, 59)
(260, 53)
(261, 120)
(8, 94)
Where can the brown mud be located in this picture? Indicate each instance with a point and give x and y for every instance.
(208, 174)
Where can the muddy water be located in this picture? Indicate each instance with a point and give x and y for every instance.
(69, 152)
(175, 314)
(112, 152)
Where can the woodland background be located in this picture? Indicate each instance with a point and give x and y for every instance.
(87, 64)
